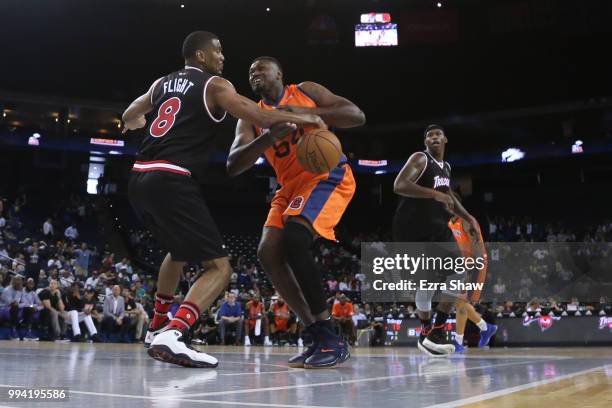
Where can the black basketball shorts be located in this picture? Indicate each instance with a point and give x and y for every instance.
(173, 208)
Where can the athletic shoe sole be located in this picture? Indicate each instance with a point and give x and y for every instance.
(440, 348)
(296, 365)
(163, 353)
(335, 364)
(431, 352)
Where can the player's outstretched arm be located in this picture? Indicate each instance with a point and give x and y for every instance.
(460, 210)
(133, 117)
(221, 94)
(405, 182)
(247, 147)
(334, 110)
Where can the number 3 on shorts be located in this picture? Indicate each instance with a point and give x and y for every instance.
(166, 115)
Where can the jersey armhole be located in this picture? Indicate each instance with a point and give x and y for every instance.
(152, 89)
(206, 103)
(424, 168)
(299, 88)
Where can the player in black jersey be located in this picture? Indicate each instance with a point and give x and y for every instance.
(422, 215)
(165, 190)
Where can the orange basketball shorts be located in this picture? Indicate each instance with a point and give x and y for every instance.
(321, 199)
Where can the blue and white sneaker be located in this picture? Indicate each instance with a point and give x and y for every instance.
(459, 348)
(485, 336)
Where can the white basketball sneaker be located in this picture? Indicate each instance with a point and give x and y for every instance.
(170, 347)
(150, 336)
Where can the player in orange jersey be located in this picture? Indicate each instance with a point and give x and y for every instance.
(306, 207)
(471, 244)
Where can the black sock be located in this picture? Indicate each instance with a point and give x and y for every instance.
(296, 244)
(441, 318)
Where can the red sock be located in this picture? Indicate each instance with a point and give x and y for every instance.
(185, 317)
(162, 305)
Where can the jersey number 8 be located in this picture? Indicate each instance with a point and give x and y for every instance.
(166, 115)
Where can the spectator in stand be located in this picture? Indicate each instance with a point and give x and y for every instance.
(90, 306)
(342, 312)
(92, 281)
(281, 321)
(499, 288)
(48, 231)
(114, 315)
(83, 255)
(230, 317)
(255, 316)
(75, 314)
(13, 307)
(108, 261)
(53, 307)
(66, 278)
(344, 286)
(30, 300)
(135, 312)
(71, 232)
(534, 305)
(108, 277)
(34, 262)
(139, 291)
(332, 284)
(358, 316)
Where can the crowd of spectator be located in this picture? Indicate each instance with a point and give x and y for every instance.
(54, 283)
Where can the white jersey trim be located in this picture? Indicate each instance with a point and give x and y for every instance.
(160, 165)
(206, 103)
(424, 168)
(152, 89)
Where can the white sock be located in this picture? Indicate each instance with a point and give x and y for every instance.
(482, 325)
(266, 338)
(459, 338)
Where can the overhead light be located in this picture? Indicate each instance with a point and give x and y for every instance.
(268, 9)
(182, 6)
(380, 171)
(68, 121)
(439, 5)
(512, 154)
(36, 135)
(115, 152)
(56, 119)
(4, 114)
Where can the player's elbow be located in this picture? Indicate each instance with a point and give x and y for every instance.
(360, 118)
(231, 167)
(399, 187)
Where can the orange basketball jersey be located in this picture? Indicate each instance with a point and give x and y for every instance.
(282, 155)
(470, 249)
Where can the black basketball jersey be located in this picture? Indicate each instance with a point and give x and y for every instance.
(426, 217)
(181, 129)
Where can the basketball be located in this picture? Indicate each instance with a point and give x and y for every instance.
(319, 151)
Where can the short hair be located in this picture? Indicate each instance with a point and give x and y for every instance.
(433, 127)
(269, 59)
(195, 41)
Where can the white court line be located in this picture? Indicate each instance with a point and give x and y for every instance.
(454, 356)
(511, 390)
(187, 397)
(343, 382)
